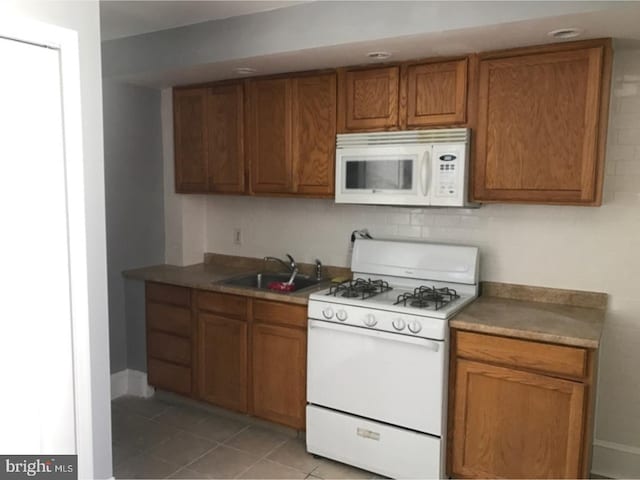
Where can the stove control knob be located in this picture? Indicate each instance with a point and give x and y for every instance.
(327, 313)
(399, 324)
(370, 320)
(415, 326)
(341, 315)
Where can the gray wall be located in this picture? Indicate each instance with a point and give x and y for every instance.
(135, 211)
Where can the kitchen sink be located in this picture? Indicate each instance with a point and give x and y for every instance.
(261, 280)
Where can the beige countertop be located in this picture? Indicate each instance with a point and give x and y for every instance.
(212, 274)
(508, 310)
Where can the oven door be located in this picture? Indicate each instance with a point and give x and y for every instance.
(383, 175)
(388, 377)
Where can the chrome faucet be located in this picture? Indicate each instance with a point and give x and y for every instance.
(318, 270)
(291, 266)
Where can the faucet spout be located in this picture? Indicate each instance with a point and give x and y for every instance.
(291, 265)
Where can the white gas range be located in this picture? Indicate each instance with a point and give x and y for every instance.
(377, 356)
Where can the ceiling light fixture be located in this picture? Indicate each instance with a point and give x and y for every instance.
(378, 55)
(563, 33)
(244, 70)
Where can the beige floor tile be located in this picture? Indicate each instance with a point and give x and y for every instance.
(267, 469)
(182, 448)
(217, 428)
(223, 462)
(147, 407)
(142, 436)
(257, 440)
(329, 469)
(294, 454)
(145, 466)
(121, 454)
(181, 417)
(312, 477)
(186, 473)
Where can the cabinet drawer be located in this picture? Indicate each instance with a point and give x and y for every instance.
(281, 313)
(159, 292)
(231, 305)
(169, 347)
(169, 319)
(553, 359)
(169, 376)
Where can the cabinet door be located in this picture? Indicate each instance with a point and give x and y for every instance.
(279, 374)
(436, 93)
(538, 127)
(269, 135)
(223, 361)
(314, 133)
(370, 99)
(190, 137)
(514, 424)
(225, 104)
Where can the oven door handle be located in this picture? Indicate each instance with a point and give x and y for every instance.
(393, 337)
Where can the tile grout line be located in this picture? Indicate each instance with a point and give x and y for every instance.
(264, 457)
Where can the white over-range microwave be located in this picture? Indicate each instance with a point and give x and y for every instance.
(407, 168)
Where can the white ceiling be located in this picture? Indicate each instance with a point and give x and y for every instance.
(125, 18)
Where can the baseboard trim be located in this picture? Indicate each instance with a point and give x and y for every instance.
(130, 382)
(615, 460)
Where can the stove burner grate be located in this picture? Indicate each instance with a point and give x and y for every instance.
(425, 297)
(359, 288)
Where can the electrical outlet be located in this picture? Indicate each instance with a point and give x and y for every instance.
(237, 236)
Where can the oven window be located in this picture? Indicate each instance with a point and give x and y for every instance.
(379, 174)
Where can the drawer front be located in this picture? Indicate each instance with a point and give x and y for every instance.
(230, 305)
(280, 313)
(168, 318)
(169, 376)
(553, 359)
(159, 292)
(169, 347)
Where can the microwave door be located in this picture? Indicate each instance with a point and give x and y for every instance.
(379, 175)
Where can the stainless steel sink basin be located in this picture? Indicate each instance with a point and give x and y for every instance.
(261, 280)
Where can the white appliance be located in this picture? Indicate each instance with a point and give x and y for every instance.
(377, 356)
(412, 168)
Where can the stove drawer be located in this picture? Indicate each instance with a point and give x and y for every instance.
(379, 448)
(542, 357)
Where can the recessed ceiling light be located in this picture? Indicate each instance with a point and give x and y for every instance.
(565, 32)
(244, 70)
(378, 55)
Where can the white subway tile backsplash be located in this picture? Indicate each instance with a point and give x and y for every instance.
(629, 136)
(411, 231)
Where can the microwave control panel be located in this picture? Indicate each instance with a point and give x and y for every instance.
(449, 164)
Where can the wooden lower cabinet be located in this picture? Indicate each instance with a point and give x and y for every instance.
(511, 422)
(223, 361)
(279, 374)
(170, 338)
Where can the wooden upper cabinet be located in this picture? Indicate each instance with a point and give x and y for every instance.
(369, 99)
(190, 140)
(314, 133)
(269, 135)
(516, 424)
(434, 94)
(225, 138)
(542, 115)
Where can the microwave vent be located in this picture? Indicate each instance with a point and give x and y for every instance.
(406, 137)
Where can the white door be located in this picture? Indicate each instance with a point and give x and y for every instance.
(36, 359)
(387, 377)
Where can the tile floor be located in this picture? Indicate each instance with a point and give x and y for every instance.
(157, 438)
